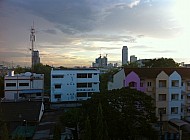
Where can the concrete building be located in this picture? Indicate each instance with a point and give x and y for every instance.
(23, 86)
(74, 84)
(133, 59)
(124, 55)
(35, 58)
(100, 62)
(169, 87)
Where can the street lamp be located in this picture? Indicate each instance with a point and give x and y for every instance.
(25, 129)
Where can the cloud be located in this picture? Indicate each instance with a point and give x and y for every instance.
(134, 3)
(50, 31)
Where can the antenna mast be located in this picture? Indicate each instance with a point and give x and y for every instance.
(32, 39)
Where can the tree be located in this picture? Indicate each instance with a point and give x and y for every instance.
(128, 113)
(131, 65)
(161, 62)
(87, 130)
(105, 77)
(4, 134)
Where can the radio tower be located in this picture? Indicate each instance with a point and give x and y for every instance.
(32, 39)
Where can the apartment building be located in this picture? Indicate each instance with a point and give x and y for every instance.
(74, 84)
(23, 86)
(169, 87)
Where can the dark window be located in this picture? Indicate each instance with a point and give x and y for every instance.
(162, 83)
(58, 86)
(10, 84)
(38, 94)
(23, 84)
(81, 85)
(57, 76)
(57, 95)
(162, 97)
(132, 84)
(149, 84)
(162, 110)
(89, 75)
(90, 94)
(81, 94)
(89, 84)
(141, 84)
(81, 75)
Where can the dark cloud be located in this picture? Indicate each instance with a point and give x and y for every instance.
(50, 31)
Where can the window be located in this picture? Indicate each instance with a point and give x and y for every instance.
(81, 75)
(141, 84)
(175, 83)
(81, 85)
(10, 84)
(162, 110)
(57, 76)
(174, 110)
(90, 94)
(57, 86)
(149, 84)
(174, 97)
(182, 97)
(81, 94)
(162, 83)
(38, 94)
(89, 75)
(181, 83)
(57, 96)
(188, 84)
(89, 84)
(132, 84)
(23, 84)
(162, 97)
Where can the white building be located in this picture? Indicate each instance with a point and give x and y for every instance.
(124, 55)
(74, 84)
(23, 86)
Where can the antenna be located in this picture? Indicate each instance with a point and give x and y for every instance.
(32, 39)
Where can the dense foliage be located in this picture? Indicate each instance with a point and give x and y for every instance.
(161, 62)
(118, 114)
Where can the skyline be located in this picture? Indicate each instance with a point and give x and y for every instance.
(74, 33)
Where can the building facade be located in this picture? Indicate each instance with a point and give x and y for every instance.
(124, 55)
(74, 84)
(100, 62)
(23, 86)
(169, 87)
(35, 58)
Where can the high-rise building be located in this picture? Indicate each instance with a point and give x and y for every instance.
(124, 55)
(101, 62)
(35, 58)
(133, 58)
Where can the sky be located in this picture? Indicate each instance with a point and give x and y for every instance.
(75, 32)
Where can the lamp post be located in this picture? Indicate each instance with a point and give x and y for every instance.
(25, 129)
(160, 125)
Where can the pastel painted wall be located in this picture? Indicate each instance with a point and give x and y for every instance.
(132, 77)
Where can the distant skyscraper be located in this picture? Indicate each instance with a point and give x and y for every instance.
(124, 55)
(35, 58)
(133, 58)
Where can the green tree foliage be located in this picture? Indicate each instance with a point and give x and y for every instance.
(161, 62)
(87, 130)
(1, 87)
(101, 125)
(57, 132)
(46, 70)
(127, 112)
(4, 132)
(105, 77)
(131, 65)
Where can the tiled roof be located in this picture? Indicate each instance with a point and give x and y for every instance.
(153, 72)
(22, 110)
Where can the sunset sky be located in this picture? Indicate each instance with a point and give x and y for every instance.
(75, 32)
